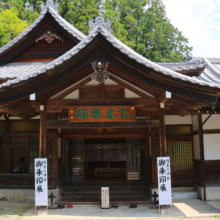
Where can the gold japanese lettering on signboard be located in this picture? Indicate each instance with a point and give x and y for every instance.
(102, 113)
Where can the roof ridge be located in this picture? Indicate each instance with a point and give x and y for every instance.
(116, 43)
(210, 66)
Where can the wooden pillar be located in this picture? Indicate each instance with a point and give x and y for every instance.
(154, 159)
(162, 133)
(43, 135)
(7, 123)
(202, 156)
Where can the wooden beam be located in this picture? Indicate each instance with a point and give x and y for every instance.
(101, 135)
(67, 125)
(166, 96)
(74, 88)
(43, 135)
(202, 155)
(154, 159)
(85, 102)
(162, 133)
(101, 91)
(129, 87)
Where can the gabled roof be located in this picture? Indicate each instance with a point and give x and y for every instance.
(120, 46)
(51, 9)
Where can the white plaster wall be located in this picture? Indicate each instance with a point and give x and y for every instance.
(110, 82)
(175, 119)
(73, 95)
(92, 83)
(212, 123)
(148, 94)
(54, 97)
(195, 123)
(130, 94)
(212, 146)
(36, 117)
(196, 147)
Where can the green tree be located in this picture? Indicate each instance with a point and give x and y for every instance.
(143, 25)
(10, 25)
(24, 14)
(79, 12)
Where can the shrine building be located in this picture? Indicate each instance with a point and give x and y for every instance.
(102, 114)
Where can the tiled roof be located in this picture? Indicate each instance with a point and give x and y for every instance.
(211, 73)
(184, 66)
(100, 28)
(15, 70)
(62, 22)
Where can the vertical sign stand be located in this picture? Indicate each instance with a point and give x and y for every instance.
(41, 183)
(164, 182)
(105, 203)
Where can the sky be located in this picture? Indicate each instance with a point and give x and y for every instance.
(199, 21)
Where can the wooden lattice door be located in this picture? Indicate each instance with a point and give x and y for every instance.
(181, 156)
(72, 160)
(137, 159)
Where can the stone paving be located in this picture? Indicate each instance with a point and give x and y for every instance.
(191, 209)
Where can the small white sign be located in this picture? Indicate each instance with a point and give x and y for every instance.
(164, 180)
(41, 183)
(105, 203)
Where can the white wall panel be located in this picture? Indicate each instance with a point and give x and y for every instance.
(212, 146)
(110, 82)
(175, 120)
(73, 95)
(212, 123)
(196, 147)
(130, 94)
(92, 83)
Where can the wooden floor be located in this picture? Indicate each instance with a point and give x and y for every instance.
(84, 193)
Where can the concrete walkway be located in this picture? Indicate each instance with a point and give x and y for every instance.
(181, 208)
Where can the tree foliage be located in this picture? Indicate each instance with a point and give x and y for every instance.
(140, 24)
(10, 25)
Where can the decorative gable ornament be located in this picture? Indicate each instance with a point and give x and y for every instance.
(100, 75)
(99, 21)
(49, 4)
(49, 36)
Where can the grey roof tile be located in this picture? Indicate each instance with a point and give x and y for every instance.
(15, 70)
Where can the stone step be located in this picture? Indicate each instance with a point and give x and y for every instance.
(184, 193)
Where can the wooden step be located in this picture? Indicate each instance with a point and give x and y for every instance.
(111, 193)
(111, 196)
(97, 201)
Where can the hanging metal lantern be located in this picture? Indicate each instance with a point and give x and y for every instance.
(100, 75)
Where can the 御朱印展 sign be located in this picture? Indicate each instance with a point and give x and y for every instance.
(164, 181)
(41, 185)
(102, 113)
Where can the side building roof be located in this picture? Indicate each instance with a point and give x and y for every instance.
(210, 68)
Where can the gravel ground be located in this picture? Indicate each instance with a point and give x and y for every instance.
(47, 218)
(14, 208)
